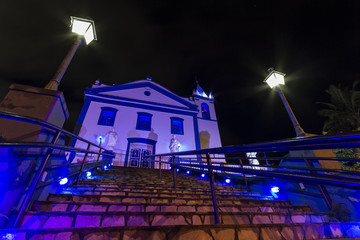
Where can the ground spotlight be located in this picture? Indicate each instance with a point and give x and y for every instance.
(203, 175)
(228, 180)
(187, 172)
(275, 189)
(88, 174)
(63, 181)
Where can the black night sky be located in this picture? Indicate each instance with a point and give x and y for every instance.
(226, 45)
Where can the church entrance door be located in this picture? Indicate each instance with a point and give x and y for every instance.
(139, 152)
(139, 158)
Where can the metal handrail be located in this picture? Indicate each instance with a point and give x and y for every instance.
(50, 148)
(23, 118)
(306, 174)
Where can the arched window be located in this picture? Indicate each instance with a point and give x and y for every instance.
(205, 111)
(107, 116)
(144, 121)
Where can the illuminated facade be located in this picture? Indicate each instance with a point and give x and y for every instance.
(139, 118)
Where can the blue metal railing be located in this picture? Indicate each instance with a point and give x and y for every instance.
(308, 151)
(45, 164)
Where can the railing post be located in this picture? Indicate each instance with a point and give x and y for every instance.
(322, 189)
(82, 165)
(212, 188)
(267, 163)
(174, 171)
(151, 165)
(34, 182)
(97, 160)
(159, 167)
(245, 179)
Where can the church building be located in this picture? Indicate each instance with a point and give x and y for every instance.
(142, 117)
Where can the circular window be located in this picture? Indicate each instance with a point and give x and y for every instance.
(147, 93)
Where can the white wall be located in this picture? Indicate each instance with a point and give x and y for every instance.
(125, 126)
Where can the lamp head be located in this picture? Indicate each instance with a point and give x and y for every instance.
(275, 78)
(84, 27)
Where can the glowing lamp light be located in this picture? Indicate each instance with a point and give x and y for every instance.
(100, 140)
(275, 189)
(88, 174)
(228, 180)
(203, 175)
(275, 78)
(105, 167)
(63, 181)
(187, 172)
(84, 27)
(177, 170)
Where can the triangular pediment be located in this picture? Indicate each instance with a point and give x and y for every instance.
(144, 90)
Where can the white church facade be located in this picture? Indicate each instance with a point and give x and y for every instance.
(142, 117)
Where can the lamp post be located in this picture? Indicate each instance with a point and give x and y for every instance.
(84, 28)
(274, 79)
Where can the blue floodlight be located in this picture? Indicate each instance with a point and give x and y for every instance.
(275, 189)
(178, 170)
(228, 180)
(203, 175)
(105, 167)
(88, 174)
(187, 172)
(63, 181)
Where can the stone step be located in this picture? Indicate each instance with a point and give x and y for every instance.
(159, 207)
(205, 232)
(152, 190)
(155, 194)
(151, 185)
(144, 199)
(44, 219)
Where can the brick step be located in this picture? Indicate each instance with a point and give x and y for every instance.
(85, 188)
(189, 186)
(159, 207)
(44, 219)
(154, 194)
(159, 188)
(138, 199)
(205, 232)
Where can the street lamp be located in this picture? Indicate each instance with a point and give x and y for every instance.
(274, 79)
(84, 28)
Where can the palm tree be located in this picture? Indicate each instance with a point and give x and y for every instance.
(343, 111)
(343, 115)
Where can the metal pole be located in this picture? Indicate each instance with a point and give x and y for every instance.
(151, 164)
(159, 167)
(299, 131)
(174, 171)
(82, 165)
(55, 81)
(98, 157)
(212, 188)
(267, 163)
(34, 183)
(322, 189)
(245, 179)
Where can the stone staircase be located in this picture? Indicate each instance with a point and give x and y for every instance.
(132, 203)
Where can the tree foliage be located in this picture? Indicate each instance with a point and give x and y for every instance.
(343, 110)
